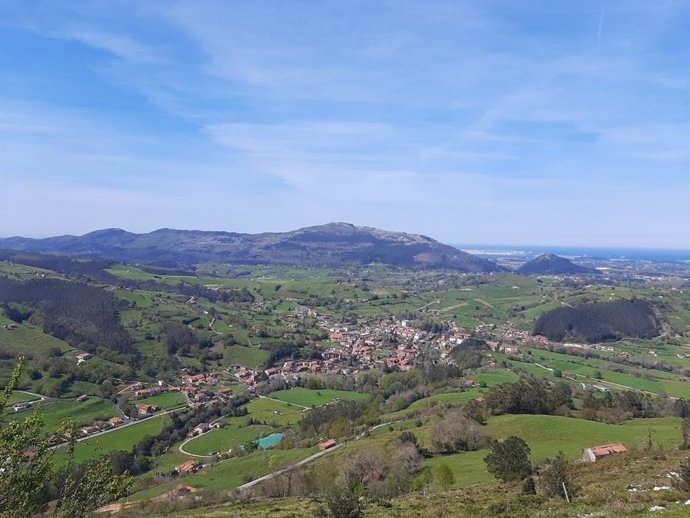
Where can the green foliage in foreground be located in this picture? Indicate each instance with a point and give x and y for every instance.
(28, 479)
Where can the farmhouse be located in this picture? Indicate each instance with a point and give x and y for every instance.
(54, 440)
(82, 357)
(596, 453)
(191, 466)
(200, 429)
(511, 349)
(144, 409)
(22, 406)
(115, 421)
(326, 445)
(28, 455)
(87, 430)
(143, 393)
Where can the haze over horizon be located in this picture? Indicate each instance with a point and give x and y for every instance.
(566, 125)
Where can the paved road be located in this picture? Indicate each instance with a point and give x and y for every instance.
(281, 401)
(604, 382)
(37, 396)
(309, 459)
(427, 305)
(182, 450)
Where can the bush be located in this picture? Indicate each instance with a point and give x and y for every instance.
(554, 478)
(529, 487)
(342, 501)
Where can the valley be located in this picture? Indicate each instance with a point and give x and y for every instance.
(223, 374)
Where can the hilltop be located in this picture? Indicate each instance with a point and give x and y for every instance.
(551, 264)
(333, 244)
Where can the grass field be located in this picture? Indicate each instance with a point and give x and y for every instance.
(491, 379)
(274, 413)
(57, 412)
(246, 356)
(165, 401)
(308, 397)
(224, 439)
(662, 382)
(547, 435)
(28, 339)
(19, 397)
(450, 398)
(235, 472)
(118, 440)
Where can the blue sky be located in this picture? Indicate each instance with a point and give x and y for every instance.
(512, 122)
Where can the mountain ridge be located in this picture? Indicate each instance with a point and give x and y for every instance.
(331, 244)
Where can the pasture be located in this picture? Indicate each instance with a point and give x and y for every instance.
(225, 439)
(547, 435)
(57, 412)
(121, 439)
(274, 413)
(165, 401)
(309, 397)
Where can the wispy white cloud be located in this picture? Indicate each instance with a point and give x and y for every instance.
(460, 120)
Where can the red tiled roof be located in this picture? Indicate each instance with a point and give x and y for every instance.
(607, 449)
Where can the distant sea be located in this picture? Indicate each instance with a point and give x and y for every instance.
(638, 254)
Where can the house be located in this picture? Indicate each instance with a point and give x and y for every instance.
(87, 430)
(28, 455)
(82, 357)
(201, 428)
(144, 409)
(188, 467)
(115, 421)
(54, 440)
(326, 445)
(595, 453)
(22, 406)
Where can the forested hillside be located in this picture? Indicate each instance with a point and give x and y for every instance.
(599, 322)
(82, 315)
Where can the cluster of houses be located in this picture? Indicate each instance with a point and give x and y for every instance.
(386, 343)
(97, 426)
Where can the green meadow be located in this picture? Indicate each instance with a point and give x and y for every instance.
(308, 397)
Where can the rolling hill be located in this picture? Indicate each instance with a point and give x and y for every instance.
(333, 244)
(551, 264)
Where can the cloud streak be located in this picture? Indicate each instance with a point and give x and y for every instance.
(492, 122)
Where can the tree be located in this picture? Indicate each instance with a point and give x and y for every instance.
(342, 501)
(423, 480)
(509, 459)
(444, 477)
(554, 478)
(28, 472)
(457, 433)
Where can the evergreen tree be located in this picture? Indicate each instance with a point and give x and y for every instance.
(509, 459)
